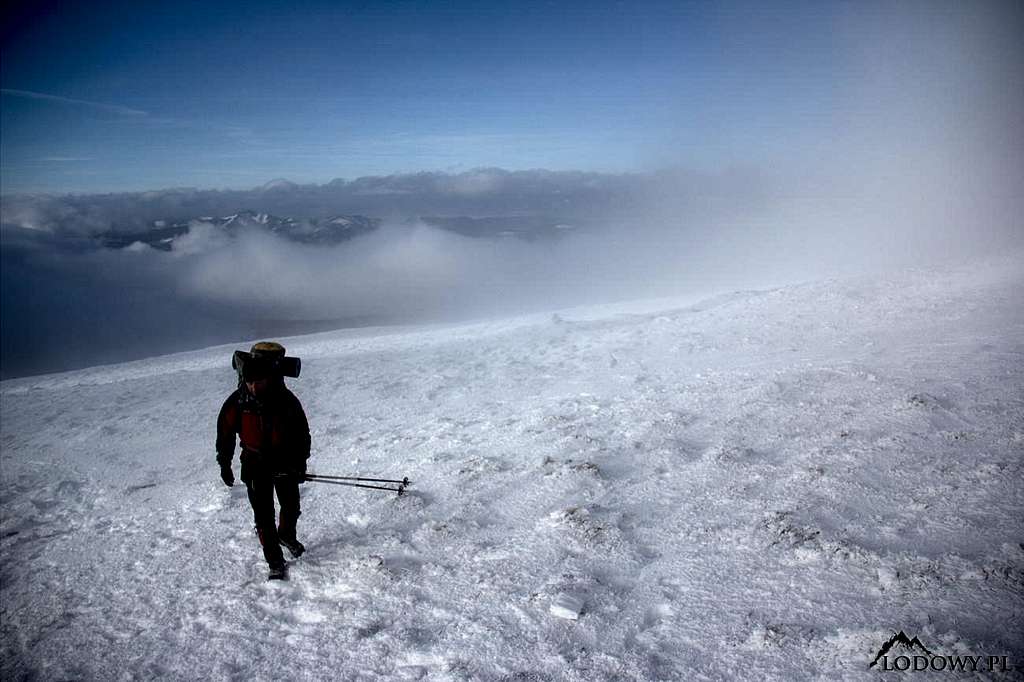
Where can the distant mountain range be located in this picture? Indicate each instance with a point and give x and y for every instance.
(325, 231)
(333, 230)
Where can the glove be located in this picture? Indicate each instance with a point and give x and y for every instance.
(226, 475)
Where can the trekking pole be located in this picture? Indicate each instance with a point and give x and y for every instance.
(404, 481)
(312, 478)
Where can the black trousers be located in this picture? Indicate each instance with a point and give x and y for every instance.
(261, 496)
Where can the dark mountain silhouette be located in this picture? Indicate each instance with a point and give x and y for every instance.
(901, 639)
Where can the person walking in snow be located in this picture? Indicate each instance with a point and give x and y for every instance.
(274, 434)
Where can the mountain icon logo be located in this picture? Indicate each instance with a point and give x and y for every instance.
(904, 641)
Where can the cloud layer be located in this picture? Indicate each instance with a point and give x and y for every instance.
(920, 158)
(67, 301)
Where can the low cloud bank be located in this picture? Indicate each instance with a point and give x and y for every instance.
(69, 302)
(488, 191)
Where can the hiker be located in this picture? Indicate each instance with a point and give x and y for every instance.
(274, 436)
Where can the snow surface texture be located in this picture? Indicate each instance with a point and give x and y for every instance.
(764, 485)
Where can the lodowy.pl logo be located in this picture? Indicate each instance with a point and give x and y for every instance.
(918, 658)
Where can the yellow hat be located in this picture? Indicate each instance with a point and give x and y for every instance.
(268, 348)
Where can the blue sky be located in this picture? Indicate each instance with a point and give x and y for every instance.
(131, 96)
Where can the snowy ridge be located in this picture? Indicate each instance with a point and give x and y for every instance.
(761, 486)
(344, 342)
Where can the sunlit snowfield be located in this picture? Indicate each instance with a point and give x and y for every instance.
(757, 485)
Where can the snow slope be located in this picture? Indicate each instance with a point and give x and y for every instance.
(763, 485)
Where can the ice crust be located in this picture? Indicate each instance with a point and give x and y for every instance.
(566, 606)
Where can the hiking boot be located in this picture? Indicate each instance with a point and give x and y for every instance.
(278, 571)
(294, 546)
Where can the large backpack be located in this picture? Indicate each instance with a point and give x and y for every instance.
(268, 352)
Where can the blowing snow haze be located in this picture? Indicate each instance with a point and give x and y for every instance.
(792, 145)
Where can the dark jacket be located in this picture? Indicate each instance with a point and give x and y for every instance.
(274, 433)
